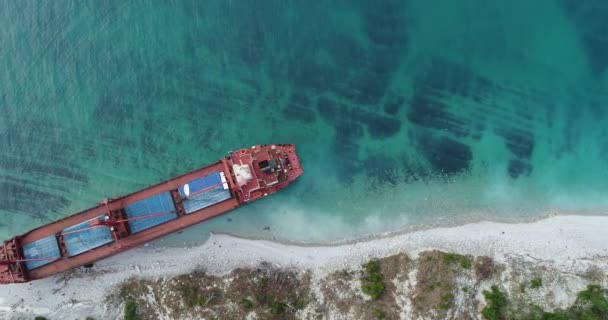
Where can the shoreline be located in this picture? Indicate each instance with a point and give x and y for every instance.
(176, 240)
(567, 242)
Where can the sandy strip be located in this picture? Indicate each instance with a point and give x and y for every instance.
(567, 242)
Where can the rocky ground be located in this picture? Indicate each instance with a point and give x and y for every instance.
(429, 285)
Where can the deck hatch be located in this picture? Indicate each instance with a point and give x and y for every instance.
(160, 205)
(204, 192)
(41, 249)
(85, 240)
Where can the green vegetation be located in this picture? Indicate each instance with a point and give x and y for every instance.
(247, 304)
(590, 304)
(379, 314)
(536, 283)
(447, 301)
(190, 295)
(496, 307)
(453, 258)
(130, 309)
(40, 318)
(276, 306)
(372, 282)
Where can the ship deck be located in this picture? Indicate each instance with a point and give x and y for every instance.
(129, 221)
(41, 243)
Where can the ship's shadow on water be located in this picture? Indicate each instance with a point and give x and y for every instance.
(402, 111)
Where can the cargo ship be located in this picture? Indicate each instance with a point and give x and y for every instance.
(123, 223)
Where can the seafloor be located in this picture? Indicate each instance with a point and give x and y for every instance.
(405, 113)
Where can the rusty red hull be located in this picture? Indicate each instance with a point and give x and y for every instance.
(123, 222)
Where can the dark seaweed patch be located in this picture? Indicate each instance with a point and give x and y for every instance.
(445, 76)
(393, 104)
(308, 74)
(48, 170)
(426, 112)
(111, 109)
(295, 112)
(44, 142)
(346, 52)
(382, 168)
(378, 126)
(446, 156)
(29, 201)
(519, 142)
(299, 98)
(349, 130)
(590, 18)
(346, 150)
(328, 109)
(370, 88)
(34, 184)
(384, 23)
(381, 127)
(385, 60)
(518, 168)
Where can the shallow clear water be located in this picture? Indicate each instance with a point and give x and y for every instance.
(405, 113)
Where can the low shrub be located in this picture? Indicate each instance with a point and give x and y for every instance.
(130, 309)
(372, 282)
(536, 283)
(496, 308)
(379, 314)
(590, 304)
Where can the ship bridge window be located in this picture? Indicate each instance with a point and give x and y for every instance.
(204, 192)
(267, 165)
(45, 249)
(77, 242)
(153, 211)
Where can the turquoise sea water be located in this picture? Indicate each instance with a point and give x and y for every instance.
(406, 113)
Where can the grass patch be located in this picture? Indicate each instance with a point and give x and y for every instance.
(465, 263)
(496, 308)
(247, 304)
(453, 258)
(536, 283)
(276, 306)
(372, 282)
(190, 295)
(447, 301)
(590, 304)
(130, 309)
(435, 289)
(379, 314)
(269, 293)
